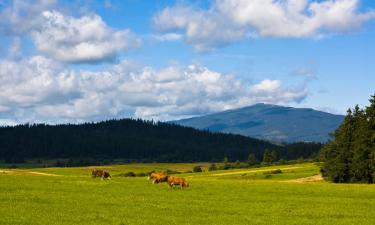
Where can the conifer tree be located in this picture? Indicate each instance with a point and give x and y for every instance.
(370, 116)
(336, 152)
(359, 167)
(350, 155)
(252, 160)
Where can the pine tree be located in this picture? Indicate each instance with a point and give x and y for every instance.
(359, 167)
(252, 160)
(370, 116)
(336, 153)
(267, 157)
(273, 156)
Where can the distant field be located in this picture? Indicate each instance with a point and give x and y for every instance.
(246, 196)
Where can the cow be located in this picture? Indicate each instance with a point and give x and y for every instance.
(172, 181)
(158, 177)
(104, 174)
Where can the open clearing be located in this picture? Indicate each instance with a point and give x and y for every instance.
(246, 196)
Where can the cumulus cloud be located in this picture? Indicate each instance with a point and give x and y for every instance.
(41, 90)
(81, 40)
(227, 21)
(20, 17)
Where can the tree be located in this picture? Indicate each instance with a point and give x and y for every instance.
(337, 152)
(350, 155)
(359, 164)
(252, 160)
(237, 164)
(267, 157)
(225, 160)
(370, 116)
(273, 156)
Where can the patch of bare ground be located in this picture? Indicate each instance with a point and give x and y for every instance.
(314, 178)
(23, 172)
(254, 171)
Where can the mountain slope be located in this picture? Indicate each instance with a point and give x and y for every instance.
(270, 122)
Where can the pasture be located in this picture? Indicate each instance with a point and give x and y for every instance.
(243, 196)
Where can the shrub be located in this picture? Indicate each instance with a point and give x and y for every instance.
(268, 176)
(129, 174)
(226, 167)
(273, 172)
(141, 174)
(197, 169)
(212, 167)
(170, 172)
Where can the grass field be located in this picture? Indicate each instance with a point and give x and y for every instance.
(246, 196)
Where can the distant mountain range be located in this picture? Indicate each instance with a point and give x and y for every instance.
(270, 122)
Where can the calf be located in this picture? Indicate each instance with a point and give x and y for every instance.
(158, 177)
(101, 173)
(172, 181)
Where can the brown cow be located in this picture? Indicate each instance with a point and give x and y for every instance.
(101, 173)
(158, 177)
(172, 181)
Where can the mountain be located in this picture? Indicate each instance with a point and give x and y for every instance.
(270, 122)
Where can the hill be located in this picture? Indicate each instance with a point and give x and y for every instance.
(135, 140)
(270, 122)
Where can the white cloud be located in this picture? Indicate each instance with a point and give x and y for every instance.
(228, 21)
(168, 37)
(41, 90)
(20, 17)
(81, 40)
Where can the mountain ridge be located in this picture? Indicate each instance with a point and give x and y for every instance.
(270, 122)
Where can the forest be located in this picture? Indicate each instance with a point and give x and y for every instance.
(137, 140)
(350, 156)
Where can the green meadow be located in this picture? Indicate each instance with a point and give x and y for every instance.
(240, 196)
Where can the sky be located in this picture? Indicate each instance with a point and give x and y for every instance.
(78, 61)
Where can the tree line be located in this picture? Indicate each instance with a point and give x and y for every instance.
(136, 140)
(350, 156)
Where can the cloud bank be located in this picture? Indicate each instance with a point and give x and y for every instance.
(228, 21)
(38, 89)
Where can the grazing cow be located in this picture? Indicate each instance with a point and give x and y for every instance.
(101, 173)
(158, 177)
(172, 181)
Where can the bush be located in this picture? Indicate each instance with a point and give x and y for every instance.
(129, 174)
(226, 167)
(141, 174)
(197, 169)
(268, 176)
(170, 172)
(273, 172)
(212, 167)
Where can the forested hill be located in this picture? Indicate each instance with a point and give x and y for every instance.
(137, 140)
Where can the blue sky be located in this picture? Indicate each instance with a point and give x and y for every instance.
(75, 61)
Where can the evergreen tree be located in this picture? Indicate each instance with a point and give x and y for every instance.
(267, 157)
(273, 156)
(252, 160)
(336, 152)
(359, 167)
(370, 116)
(350, 155)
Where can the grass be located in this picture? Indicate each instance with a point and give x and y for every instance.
(243, 196)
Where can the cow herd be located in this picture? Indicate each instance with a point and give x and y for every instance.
(155, 177)
(159, 177)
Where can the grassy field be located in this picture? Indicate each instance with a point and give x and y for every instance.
(246, 196)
